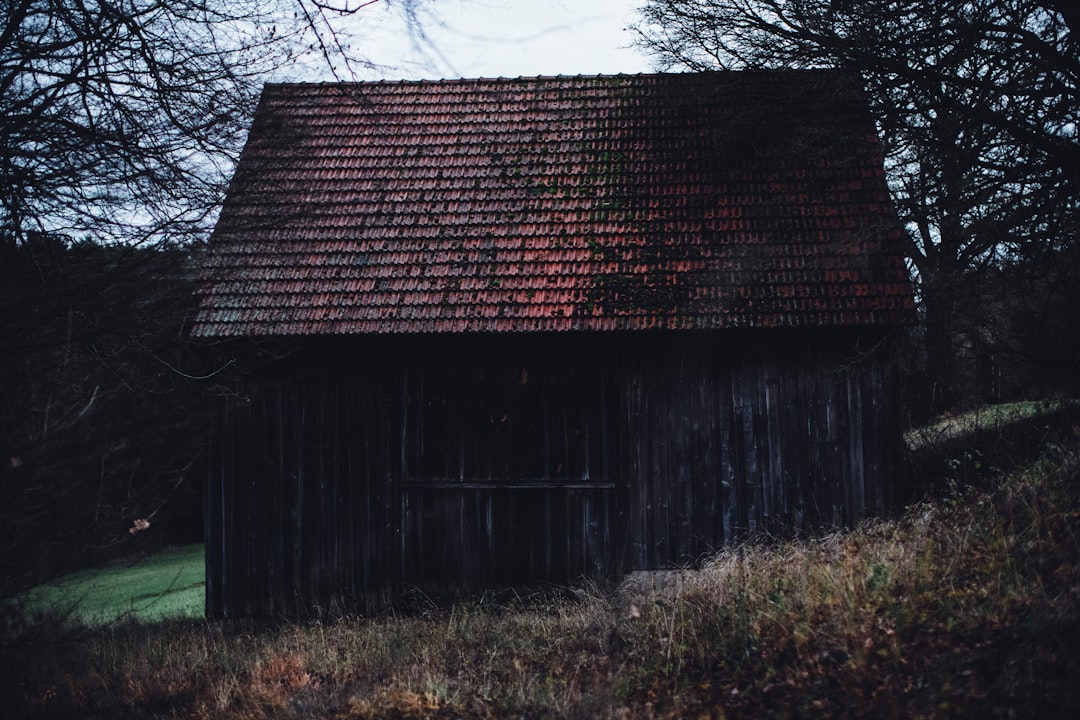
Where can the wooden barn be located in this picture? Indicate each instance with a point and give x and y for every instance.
(542, 329)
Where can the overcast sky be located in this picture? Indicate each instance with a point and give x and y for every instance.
(503, 38)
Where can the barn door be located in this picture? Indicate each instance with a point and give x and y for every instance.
(504, 476)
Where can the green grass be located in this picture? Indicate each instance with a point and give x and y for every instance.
(169, 584)
(985, 418)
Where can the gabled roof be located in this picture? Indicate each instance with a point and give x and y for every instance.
(712, 200)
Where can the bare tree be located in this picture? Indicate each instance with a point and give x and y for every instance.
(977, 103)
(120, 119)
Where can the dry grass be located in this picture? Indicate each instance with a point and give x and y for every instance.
(963, 607)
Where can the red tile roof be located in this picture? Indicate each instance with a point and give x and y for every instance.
(713, 200)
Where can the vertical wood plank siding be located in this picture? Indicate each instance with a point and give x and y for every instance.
(450, 466)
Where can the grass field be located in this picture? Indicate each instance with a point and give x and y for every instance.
(169, 584)
(964, 605)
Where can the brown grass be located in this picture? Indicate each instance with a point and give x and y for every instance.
(961, 607)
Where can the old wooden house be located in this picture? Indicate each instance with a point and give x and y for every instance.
(539, 329)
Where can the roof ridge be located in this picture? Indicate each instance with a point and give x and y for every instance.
(776, 72)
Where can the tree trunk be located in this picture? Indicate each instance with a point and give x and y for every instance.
(943, 380)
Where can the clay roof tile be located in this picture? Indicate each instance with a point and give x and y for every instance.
(709, 201)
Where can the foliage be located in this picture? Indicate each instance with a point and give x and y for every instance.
(977, 104)
(966, 606)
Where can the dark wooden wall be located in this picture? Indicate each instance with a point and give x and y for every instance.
(754, 438)
(370, 468)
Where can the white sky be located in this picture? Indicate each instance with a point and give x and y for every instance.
(502, 38)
